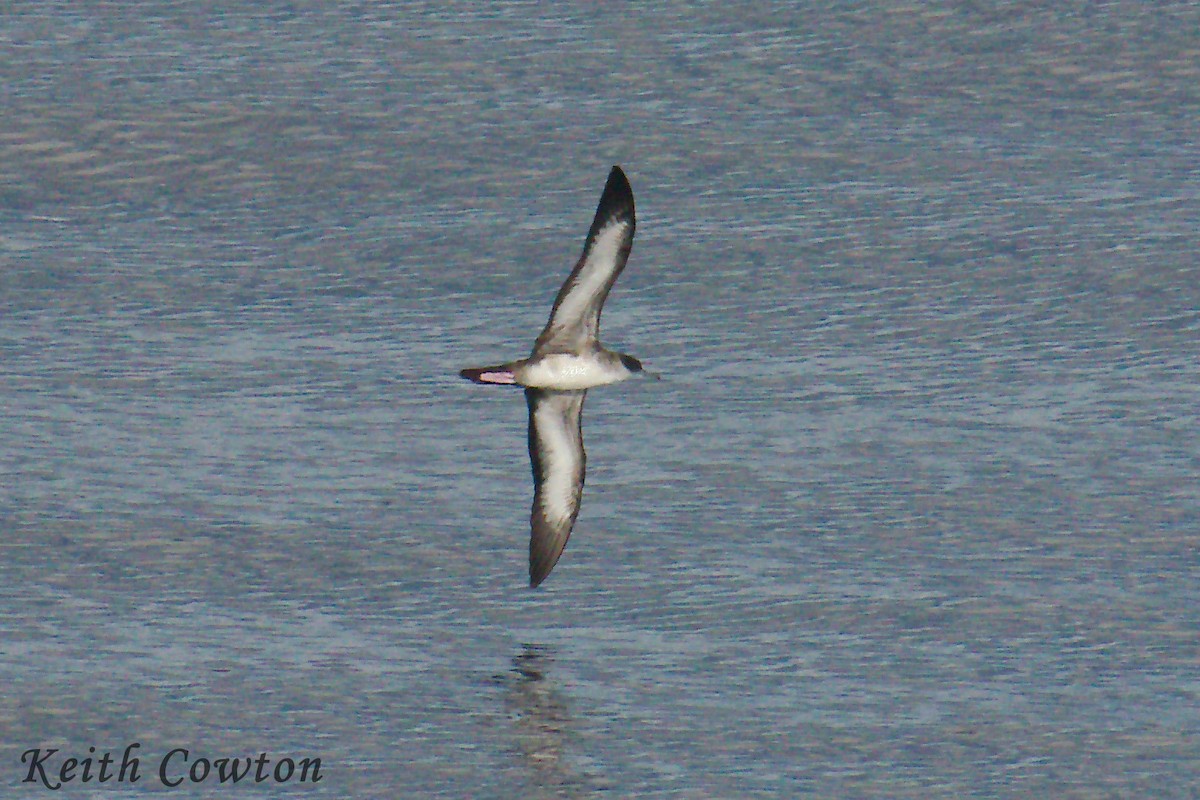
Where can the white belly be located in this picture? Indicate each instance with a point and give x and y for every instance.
(564, 371)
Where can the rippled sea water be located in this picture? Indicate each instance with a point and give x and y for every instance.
(912, 514)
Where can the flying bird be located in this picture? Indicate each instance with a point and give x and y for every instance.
(566, 361)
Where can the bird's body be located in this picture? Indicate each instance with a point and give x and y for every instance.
(567, 360)
(558, 371)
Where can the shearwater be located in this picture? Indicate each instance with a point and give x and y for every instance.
(567, 360)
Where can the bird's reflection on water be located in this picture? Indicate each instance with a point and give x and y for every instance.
(542, 725)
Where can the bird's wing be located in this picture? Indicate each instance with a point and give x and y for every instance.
(575, 319)
(556, 453)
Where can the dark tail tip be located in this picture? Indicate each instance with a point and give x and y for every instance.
(501, 375)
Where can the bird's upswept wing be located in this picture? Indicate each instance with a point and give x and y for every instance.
(556, 453)
(575, 319)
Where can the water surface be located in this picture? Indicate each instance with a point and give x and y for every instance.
(912, 513)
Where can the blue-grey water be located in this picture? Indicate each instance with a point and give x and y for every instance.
(913, 512)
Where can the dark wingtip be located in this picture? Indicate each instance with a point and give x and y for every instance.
(617, 191)
(615, 203)
(540, 567)
(543, 559)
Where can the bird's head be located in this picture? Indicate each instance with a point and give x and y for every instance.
(633, 365)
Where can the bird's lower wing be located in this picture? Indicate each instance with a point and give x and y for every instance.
(556, 453)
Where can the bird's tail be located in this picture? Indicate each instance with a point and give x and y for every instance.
(499, 374)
